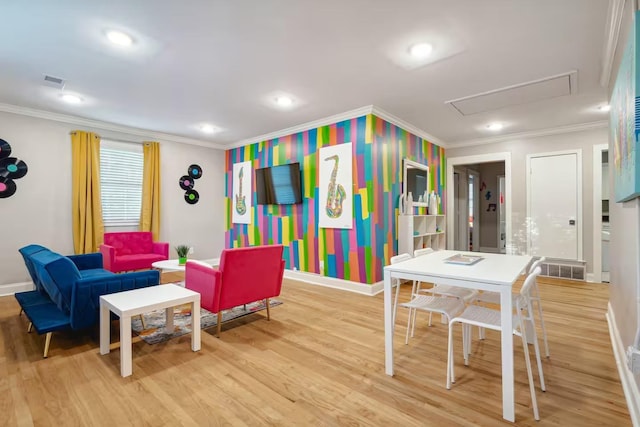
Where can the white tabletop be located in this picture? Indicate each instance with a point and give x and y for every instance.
(498, 269)
(172, 264)
(148, 299)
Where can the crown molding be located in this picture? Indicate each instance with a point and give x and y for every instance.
(531, 134)
(358, 112)
(611, 36)
(304, 126)
(408, 127)
(97, 124)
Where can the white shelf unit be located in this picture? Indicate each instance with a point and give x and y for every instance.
(421, 231)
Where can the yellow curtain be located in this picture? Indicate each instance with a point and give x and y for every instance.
(88, 228)
(150, 213)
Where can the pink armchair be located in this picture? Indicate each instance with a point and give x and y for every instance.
(243, 276)
(132, 250)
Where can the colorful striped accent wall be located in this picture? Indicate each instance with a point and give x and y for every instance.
(357, 254)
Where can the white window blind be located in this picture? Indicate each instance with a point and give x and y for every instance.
(121, 166)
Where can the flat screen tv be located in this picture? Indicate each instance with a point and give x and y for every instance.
(279, 185)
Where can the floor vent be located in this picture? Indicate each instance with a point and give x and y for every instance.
(575, 270)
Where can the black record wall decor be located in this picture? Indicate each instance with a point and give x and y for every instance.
(186, 182)
(10, 168)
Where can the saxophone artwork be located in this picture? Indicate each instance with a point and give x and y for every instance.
(241, 206)
(335, 193)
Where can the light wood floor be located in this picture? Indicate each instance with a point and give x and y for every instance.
(319, 361)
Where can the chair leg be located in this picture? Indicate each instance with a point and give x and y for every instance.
(532, 387)
(395, 303)
(219, 326)
(21, 310)
(47, 341)
(544, 330)
(406, 339)
(30, 327)
(268, 309)
(430, 315)
(144, 325)
(450, 376)
(537, 350)
(413, 326)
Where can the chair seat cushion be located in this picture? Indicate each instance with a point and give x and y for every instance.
(95, 273)
(29, 298)
(47, 318)
(135, 262)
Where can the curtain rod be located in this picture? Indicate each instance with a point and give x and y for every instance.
(115, 140)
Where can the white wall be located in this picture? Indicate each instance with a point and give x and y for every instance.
(40, 210)
(519, 149)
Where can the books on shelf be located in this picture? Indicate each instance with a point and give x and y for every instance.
(463, 259)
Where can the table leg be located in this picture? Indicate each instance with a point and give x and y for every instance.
(506, 314)
(195, 325)
(388, 324)
(105, 328)
(125, 346)
(168, 327)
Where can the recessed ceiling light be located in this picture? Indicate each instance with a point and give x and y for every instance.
(284, 101)
(207, 128)
(119, 38)
(421, 50)
(495, 126)
(71, 99)
(604, 108)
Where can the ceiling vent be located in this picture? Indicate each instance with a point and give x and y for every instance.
(523, 93)
(56, 82)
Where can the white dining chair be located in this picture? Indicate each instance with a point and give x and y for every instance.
(494, 298)
(490, 318)
(448, 307)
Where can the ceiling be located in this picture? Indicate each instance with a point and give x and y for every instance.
(223, 62)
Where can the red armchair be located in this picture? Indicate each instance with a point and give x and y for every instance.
(132, 250)
(244, 275)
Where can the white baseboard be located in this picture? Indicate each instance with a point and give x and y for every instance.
(12, 288)
(629, 385)
(591, 278)
(331, 282)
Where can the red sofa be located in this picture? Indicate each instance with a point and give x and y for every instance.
(132, 250)
(244, 275)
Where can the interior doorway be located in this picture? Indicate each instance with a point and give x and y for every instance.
(475, 218)
(601, 224)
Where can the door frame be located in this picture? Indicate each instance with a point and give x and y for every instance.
(498, 208)
(476, 209)
(470, 160)
(578, 153)
(597, 212)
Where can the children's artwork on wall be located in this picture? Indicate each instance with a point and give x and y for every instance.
(10, 168)
(186, 182)
(487, 195)
(242, 193)
(491, 207)
(624, 122)
(335, 187)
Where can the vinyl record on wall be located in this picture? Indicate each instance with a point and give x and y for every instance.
(186, 182)
(5, 149)
(191, 197)
(7, 187)
(195, 171)
(12, 167)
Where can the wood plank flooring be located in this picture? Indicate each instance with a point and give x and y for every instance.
(319, 361)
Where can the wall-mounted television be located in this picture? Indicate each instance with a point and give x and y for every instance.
(279, 185)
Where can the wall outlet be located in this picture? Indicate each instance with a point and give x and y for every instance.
(191, 250)
(633, 359)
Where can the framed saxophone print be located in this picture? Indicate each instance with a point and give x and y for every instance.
(241, 193)
(336, 188)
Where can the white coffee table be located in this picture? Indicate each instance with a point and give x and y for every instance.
(139, 301)
(172, 264)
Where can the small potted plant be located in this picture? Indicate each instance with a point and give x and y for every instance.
(182, 251)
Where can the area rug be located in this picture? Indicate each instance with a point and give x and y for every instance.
(155, 320)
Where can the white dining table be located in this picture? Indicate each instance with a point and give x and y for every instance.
(494, 272)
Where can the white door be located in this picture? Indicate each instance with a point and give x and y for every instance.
(553, 206)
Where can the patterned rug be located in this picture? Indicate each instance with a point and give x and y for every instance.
(155, 320)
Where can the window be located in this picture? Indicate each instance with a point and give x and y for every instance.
(121, 166)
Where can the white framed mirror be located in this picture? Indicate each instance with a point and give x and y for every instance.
(415, 180)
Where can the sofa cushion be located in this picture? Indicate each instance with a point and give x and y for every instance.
(95, 272)
(136, 262)
(27, 252)
(130, 243)
(40, 261)
(64, 274)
